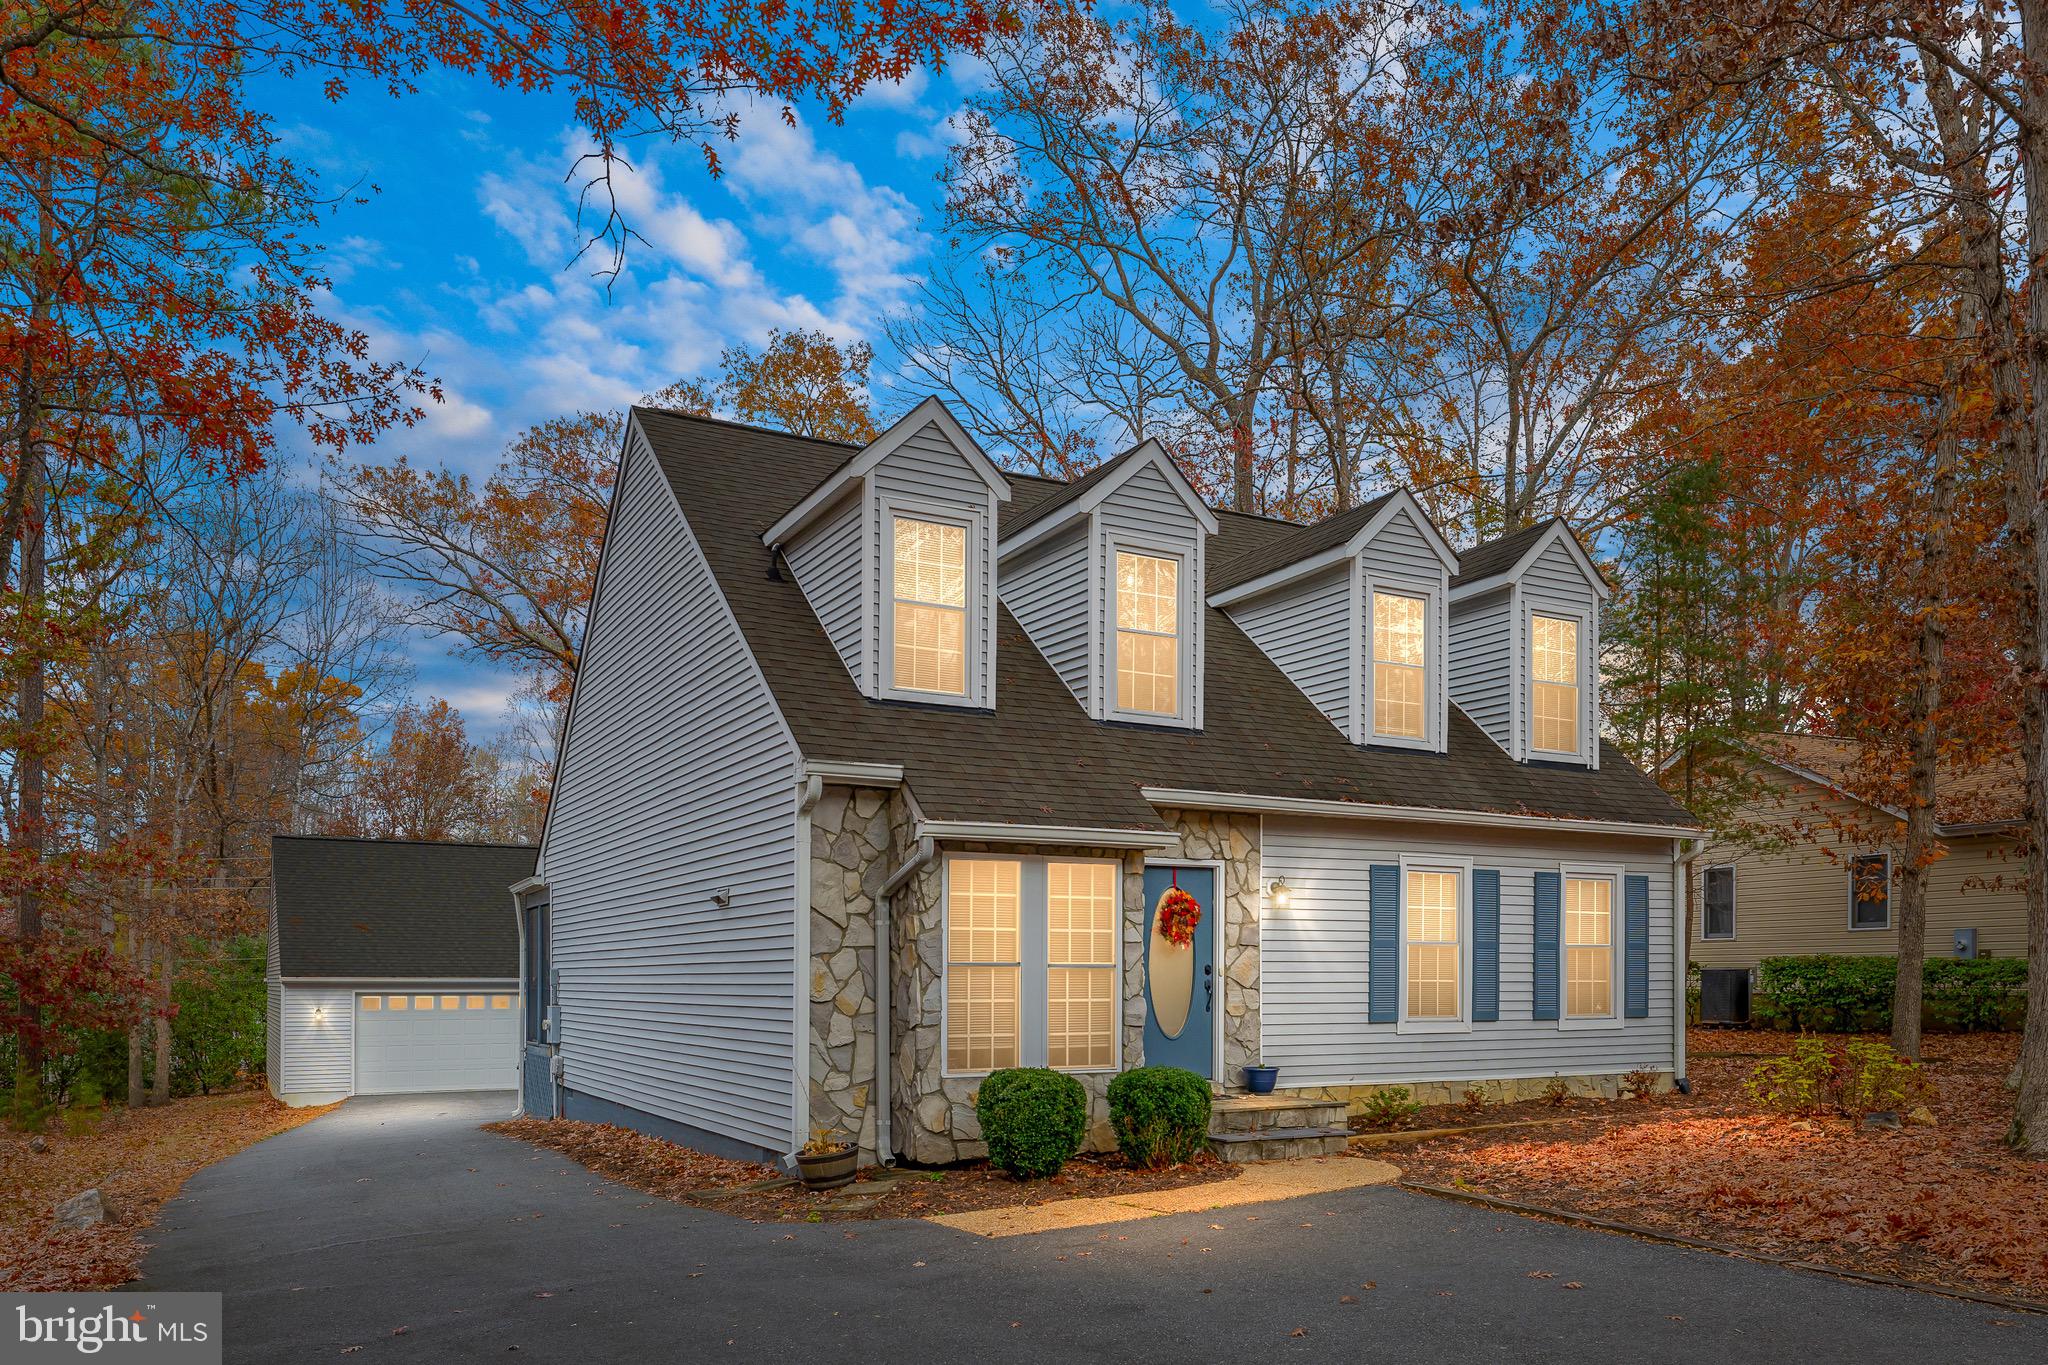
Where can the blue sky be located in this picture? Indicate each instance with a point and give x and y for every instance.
(462, 256)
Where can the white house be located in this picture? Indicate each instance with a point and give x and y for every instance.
(881, 759)
(394, 967)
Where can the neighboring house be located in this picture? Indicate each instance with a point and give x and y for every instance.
(394, 967)
(1811, 868)
(880, 760)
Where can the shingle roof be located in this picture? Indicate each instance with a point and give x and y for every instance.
(1277, 552)
(1070, 491)
(1038, 758)
(1498, 556)
(1988, 793)
(387, 908)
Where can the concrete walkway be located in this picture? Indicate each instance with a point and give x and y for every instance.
(396, 1231)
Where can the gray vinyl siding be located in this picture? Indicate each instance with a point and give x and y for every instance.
(1314, 957)
(826, 565)
(1306, 630)
(1555, 582)
(1047, 589)
(1482, 664)
(1400, 553)
(1145, 513)
(677, 782)
(273, 1035)
(928, 468)
(317, 1054)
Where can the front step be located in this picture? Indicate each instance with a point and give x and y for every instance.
(1276, 1127)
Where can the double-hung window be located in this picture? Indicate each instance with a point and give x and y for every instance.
(1433, 951)
(1554, 665)
(1717, 919)
(929, 605)
(1588, 947)
(1870, 891)
(1400, 642)
(1148, 626)
(1032, 969)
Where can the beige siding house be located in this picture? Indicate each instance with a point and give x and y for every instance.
(1806, 867)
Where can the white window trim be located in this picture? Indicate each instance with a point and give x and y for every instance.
(1849, 872)
(1734, 903)
(1188, 604)
(1435, 646)
(1587, 673)
(1419, 862)
(971, 520)
(1617, 933)
(1033, 962)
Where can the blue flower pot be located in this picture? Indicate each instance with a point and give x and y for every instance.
(1259, 1079)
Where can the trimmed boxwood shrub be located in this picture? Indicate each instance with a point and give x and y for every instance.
(1032, 1118)
(1160, 1114)
(1834, 992)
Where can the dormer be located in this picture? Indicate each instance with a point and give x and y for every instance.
(895, 552)
(1354, 611)
(1525, 644)
(1106, 576)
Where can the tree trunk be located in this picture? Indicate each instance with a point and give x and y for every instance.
(137, 1096)
(29, 771)
(160, 1084)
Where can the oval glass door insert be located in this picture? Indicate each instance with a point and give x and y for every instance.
(1170, 978)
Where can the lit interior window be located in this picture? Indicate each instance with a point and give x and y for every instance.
(398, 1002)
(1399, 640)
(1589, 947)
(931, 607)
(501, 1002)
(982, 963)
(423, 1002)
(1433, 958)
(1147, 634)
(373, 1002)
(1080, 983)
(1554, 665)
(474, 1002)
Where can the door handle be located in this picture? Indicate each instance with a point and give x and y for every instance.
(1209, 985)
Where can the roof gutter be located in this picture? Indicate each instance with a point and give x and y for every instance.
(1066, 836)
(1359, 810)
(855, 774)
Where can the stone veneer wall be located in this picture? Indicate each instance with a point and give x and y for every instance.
(1604, 1086)
(851, 840)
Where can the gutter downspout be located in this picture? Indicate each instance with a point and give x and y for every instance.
(885, 918)
(1682, 851)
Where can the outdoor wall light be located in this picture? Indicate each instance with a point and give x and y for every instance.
(1280, 893)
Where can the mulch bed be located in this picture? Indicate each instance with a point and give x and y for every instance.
(673, 1172)
(1948, 1205)
(137, 1159)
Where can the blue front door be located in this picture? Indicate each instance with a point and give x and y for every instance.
(1180, 983)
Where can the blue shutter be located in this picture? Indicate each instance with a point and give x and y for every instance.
(1549, 897)
(1636, 971)
(1485, 945)
(1383, 969)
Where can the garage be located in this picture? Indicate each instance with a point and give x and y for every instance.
(394, 967)
(409, 1041)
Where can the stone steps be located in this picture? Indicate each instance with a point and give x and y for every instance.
(1276, 1127)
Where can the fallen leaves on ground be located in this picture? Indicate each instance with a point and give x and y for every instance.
(663, 1168)
(137, 1159)
(1949, 1205)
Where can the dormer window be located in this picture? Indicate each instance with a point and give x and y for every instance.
(928, 599)
(1400, 667)
(1554, 664)
(1148, 634)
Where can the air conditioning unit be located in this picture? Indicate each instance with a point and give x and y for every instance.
(1724, 995)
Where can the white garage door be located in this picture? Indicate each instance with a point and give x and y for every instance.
(440, 1041)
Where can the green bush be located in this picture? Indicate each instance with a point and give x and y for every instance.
(217, 1034)
(1390, 1106)
(1032, 1118)
(1800, 1081)
(1876, 1078)
(1160, 1114)
(1838, 993)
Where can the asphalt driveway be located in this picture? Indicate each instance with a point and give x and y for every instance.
(394, 1229)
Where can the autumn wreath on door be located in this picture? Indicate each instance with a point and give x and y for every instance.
(1179, 914)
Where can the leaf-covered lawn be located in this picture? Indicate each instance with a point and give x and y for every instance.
(1950, 1204)
(663, 1168)
(137, 1159)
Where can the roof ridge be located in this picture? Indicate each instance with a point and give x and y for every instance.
(426, 843)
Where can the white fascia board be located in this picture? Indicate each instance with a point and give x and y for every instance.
(1173, 797)
(1069, 836)
(534, 883)
(827, 494)
(854, 773)
(1402, 500)
(1148, 454)
(1558, 531)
